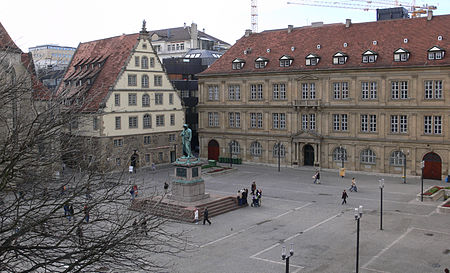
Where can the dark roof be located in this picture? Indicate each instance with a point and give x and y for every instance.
(6, 42)
(112, 54)
(181, 33)
(40, 92)
(422, 34)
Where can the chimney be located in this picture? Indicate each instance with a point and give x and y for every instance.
(348, 22)
(248, 32)
(430, 14)
(184, 25)
(194, 35)
(290, 28)
(317, 24)
(203, 30)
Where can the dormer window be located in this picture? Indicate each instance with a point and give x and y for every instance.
(401, 55)
(286, 61)
(369, 57)
(436, 53)
(340, 58)
(238, 64)
(312, 59)
(261, 62)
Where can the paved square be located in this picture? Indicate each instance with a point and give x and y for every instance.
(415, 238)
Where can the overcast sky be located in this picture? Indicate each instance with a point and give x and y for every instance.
(69, 22)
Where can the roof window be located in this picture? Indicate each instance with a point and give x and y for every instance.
(261, 62)
(340, 58)
(238, 63)
(312, 59)
(286, 61)
(401, 55)
(436, 53)
(369, 56)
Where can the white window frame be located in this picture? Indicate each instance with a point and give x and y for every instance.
(368, 157)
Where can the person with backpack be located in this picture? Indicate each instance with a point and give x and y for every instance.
(206, 216)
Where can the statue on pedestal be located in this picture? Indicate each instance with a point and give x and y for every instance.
(186, 137)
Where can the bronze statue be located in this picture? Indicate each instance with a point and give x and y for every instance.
(186, 137)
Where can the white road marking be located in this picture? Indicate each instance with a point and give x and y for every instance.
(387, 248)
(282, 263)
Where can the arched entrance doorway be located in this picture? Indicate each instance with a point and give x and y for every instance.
(308, 155)
(433, 166)
(134, 160)
(213, 150)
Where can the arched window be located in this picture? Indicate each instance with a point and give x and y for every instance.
(368, 156)
(144, 62)
(282, 150)
(147, 121)
(256, 149)
(340, 153)
(235, 147)
(397, 158)
(145, 100)
(144, 81)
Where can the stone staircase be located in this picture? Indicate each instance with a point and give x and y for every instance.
(183, 211)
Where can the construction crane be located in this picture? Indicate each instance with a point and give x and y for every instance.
(367, 5)
(254, 16)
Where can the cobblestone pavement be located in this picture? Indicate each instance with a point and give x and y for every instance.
(415, 238)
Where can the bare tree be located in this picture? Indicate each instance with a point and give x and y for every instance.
(39, 230)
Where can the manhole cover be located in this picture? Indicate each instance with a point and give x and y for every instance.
(429, 234)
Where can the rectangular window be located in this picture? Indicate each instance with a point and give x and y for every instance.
(260, 91)
(275, 92)
(118, 123)
(136, 61)
(428, 121)
(312, 91)
(429, 90)
(336, 122)
(256, 92)
(260, 120)
(279, 121)
(305, 122)
(161, 156)
(394, 124)
(234, 92)
(159, 98)
(213, 119)
(279, 91)
(159, 120)
(364, 90)
(282, 121)
(304, 91)
(395, 90)
(364, 123)
(337, 90)
(373, 123)
(132, 99)
(147, 158)
(404, 90)
(118, 142)
(312, 122)
(147, 140)
(373, 90)
(433, 90)
(95, 123)
(237, 119)
(275, 121)
(344, 122)
(132, 80)
(132, 122)
(399, 90)
(308, 91)
(170, 98)
(437, 125)
(171, 137)
(213, 92)
(157, 80)
(438, 89)
(231, 120)
(152, 62)
(116, 99)
(252, 120)
(403, 124)
(344, 90)
(172, 119)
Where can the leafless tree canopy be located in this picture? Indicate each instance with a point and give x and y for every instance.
(38, 230)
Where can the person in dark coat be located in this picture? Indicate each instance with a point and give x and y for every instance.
(205, 216)
(253, 188)
(344, 197)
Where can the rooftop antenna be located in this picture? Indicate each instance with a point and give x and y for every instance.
(254, 15)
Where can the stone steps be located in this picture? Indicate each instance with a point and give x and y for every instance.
(184, 212)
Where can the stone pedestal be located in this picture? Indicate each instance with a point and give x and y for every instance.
(188, 185)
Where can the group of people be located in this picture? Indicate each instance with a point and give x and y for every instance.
(242, 197)
(344, 196)
(205, 216)
(134, 192)
(69, 212)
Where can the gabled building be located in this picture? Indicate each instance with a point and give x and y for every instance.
(129, 112)
(368, 97)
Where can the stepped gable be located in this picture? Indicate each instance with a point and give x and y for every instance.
(99, 61)
(6, 42)
(422, 34)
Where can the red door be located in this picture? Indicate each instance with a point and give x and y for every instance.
(213, 150)
(433, 166)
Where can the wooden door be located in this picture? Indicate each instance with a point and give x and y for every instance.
(308, 152)
(213, 150)
(433, 166)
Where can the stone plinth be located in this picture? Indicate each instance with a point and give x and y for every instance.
(188, 185)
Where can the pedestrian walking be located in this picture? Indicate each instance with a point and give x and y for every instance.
(344, 197)
(66, 209)
(353, 187)
(135, 188)
(205, 216)
(71, 212)
(144, 226)
(153, 167)
(317, 177)
(166, 187)
(86, 213)
(258, 197)
(196, 216)
(253, 187)
(80, 235)
(132, 193)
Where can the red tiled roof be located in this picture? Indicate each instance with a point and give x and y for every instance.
(114, 51)
(422, 34)
(5, 40)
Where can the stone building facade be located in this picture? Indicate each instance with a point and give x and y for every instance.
(369, 97)
(130, 114)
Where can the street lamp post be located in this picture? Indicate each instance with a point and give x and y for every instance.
(404, 167)
(286, 258)
(342, 155)
(279, 155)
(231, 154)
(358, 215)
(381, 202)
(422, 166)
